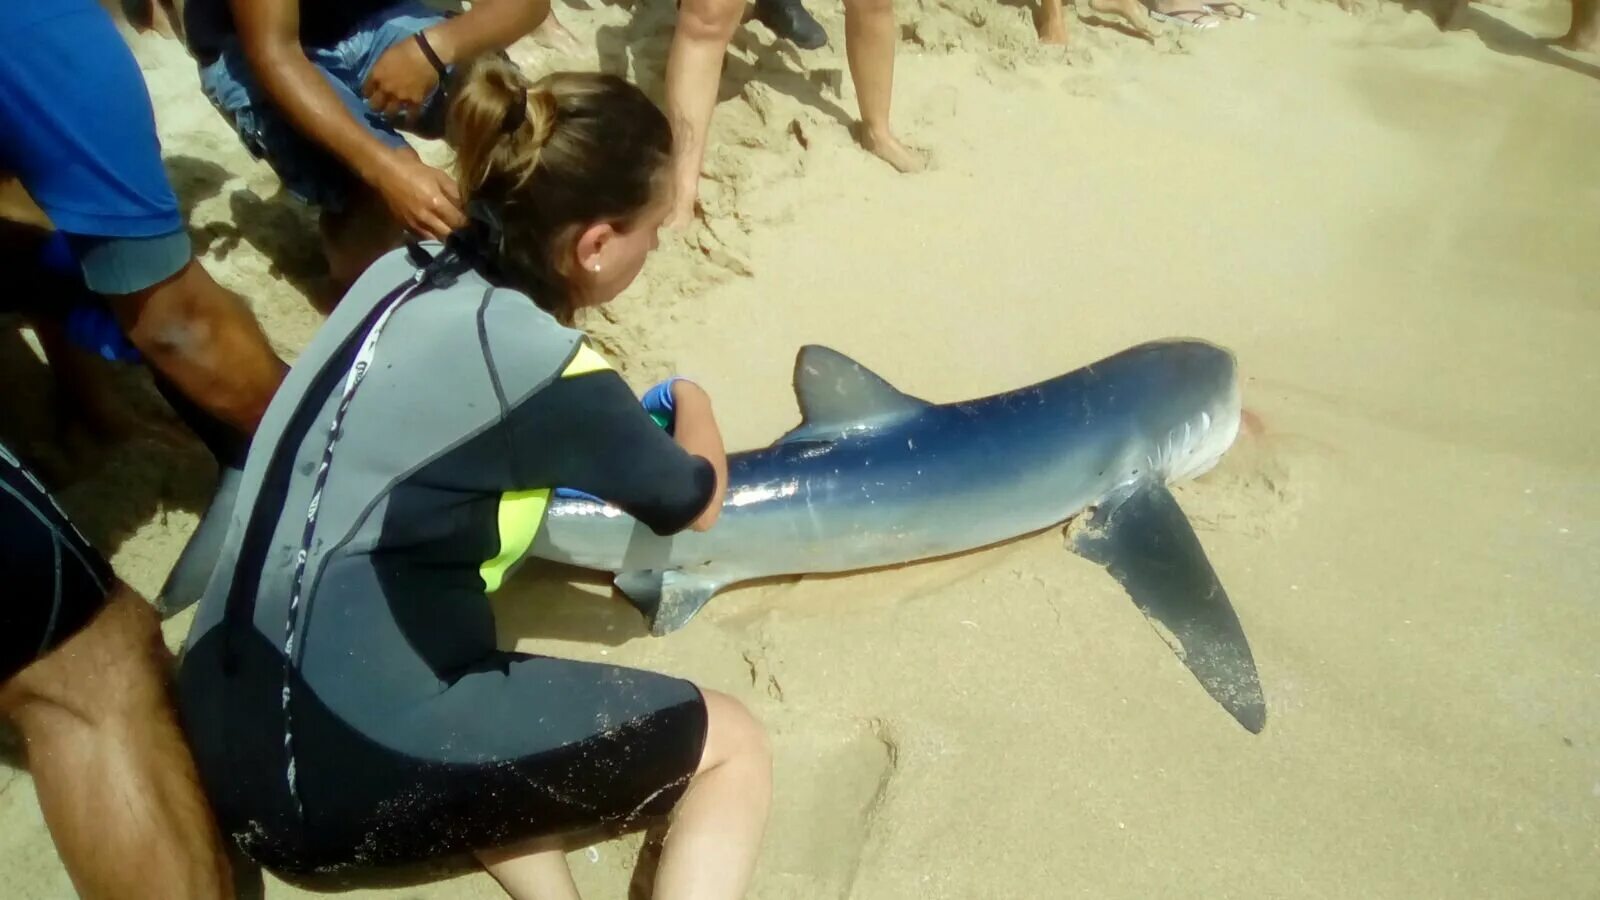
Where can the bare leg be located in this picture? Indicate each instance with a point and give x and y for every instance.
(869, 38)
(1132, 12)
(354, 238)
(534, 870)
(115, 780)
(711, 847)
(206, 342)
(694, 70)
(1052, 24)
(1584, 34)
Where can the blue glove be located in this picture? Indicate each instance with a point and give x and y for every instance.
(658, 403)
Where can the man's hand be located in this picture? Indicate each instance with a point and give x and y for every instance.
(421, 198)
(401, 81)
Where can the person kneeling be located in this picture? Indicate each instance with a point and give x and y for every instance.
(347, 701)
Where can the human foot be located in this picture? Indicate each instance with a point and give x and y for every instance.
(551, 33)
(888, 148)
(1129, 11)
(1052, 27)
(1188, 13)
(1583, 40)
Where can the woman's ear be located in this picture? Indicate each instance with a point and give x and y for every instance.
(590, 248)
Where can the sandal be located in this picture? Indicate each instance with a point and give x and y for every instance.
(1200, 19)
(1227, 9)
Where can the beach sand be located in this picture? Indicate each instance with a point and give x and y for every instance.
(1393, 228)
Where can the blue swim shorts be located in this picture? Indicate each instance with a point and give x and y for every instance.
(310, 172)
(77, 128)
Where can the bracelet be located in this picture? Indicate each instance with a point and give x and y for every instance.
(433, 58)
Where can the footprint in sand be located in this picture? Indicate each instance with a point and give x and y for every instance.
(833, 778)
(1259, 487)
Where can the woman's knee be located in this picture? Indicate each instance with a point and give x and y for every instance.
(879, 9)
(710, 19)
(733, 733)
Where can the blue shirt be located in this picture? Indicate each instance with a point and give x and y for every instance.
(76, 124)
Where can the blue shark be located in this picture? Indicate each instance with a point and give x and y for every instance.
(874, 477)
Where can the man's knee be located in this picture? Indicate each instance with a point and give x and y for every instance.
(710, 19)
(117, 664)
(733, 733)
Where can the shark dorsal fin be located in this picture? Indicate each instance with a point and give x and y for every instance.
(839, 396)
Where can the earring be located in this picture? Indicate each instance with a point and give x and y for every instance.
(595, 267)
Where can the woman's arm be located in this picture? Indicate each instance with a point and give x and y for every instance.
(695, 429)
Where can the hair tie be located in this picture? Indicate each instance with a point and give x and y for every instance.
(517, 114)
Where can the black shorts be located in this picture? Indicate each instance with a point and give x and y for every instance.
(54, 581)
(592, 746)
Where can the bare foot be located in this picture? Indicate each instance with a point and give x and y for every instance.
(888, 148)
(1130, 11)
(551, 33)
(1583, 40)
(680, 218)
(1052, 28)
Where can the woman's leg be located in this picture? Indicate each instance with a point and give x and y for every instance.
(114, 777)
(531, 870)
(869, 38)
(711, 846)
(716, 829)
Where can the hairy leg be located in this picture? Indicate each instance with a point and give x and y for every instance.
(694, 71)
(115, 780)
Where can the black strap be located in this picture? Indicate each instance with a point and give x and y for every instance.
(433, 58)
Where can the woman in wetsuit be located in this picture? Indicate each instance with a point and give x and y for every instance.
(345, 697)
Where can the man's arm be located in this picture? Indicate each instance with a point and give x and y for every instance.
(422, 198)
(403, 77)
(488, 26)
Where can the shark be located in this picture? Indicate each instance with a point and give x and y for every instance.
(875, 477)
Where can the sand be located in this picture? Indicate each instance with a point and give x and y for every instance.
(1394, 229)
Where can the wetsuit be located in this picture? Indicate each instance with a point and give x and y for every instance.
(349, 706)
(55, 582)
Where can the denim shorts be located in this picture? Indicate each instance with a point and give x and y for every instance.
(307, 170)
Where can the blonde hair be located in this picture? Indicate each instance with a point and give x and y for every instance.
(548, 158)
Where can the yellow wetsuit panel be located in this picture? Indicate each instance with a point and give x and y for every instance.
(521, 512)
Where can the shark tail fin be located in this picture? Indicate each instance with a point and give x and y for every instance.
(668, 599)
(1148, 545)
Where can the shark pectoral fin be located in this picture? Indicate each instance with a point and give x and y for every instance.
(667, 599)
(192, 572)
(1148, 545)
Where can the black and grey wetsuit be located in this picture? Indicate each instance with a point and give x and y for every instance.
(55, 582)
(349, 706)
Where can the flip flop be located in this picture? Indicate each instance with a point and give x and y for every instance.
(1176, 17)
(1227, 9)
